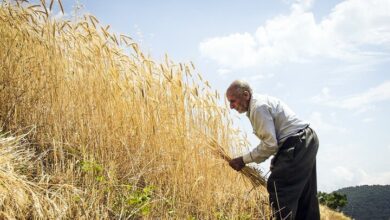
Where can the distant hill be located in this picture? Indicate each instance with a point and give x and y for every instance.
(367, 202)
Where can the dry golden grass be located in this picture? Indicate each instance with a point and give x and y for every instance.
(25, 190)
(328, 214)
(114, 135)
(121, 128)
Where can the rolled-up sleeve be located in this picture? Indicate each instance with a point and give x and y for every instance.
(264, 128)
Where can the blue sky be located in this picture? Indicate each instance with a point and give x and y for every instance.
(328, 59)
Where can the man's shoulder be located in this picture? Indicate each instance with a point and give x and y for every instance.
(263, 99)
(258, 103)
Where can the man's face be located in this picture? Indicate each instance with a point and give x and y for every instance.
(239, 103)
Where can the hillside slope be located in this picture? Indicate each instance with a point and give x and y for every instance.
(367, 202)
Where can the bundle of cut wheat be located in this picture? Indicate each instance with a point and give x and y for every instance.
(253, 175)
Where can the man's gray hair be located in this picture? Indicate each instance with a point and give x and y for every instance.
(238, 87)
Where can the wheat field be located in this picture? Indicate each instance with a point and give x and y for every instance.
(92, 128)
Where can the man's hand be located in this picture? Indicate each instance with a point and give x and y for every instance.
(237, 163)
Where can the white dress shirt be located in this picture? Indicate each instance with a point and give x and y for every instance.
(272, 121)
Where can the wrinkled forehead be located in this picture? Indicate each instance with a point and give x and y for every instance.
(232, 92)
(231, 89)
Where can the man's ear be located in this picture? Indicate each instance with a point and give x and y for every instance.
(247, 95)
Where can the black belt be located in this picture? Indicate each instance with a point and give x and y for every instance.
(293, 139)
(290, 142)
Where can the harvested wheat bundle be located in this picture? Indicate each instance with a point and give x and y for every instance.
(254, 176)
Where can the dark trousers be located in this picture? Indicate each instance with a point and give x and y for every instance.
(292, 185)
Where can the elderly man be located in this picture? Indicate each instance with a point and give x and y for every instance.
(292, 184)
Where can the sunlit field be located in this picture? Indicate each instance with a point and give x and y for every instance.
(92, 128)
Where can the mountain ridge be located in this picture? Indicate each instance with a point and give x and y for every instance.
(369, 202)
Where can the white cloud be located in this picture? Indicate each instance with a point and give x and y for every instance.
(223, 71)
(323, 96)
(321, 125)
(376, 94)
(339, 165)
(360, 21)
(368, 120)
(362, 101)
(346, 33)
(258, 77)
(235, 50)
(279, 85)
(364, 109)
(366, 178)
(302, 5)
(343, 173)
(346, 176)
